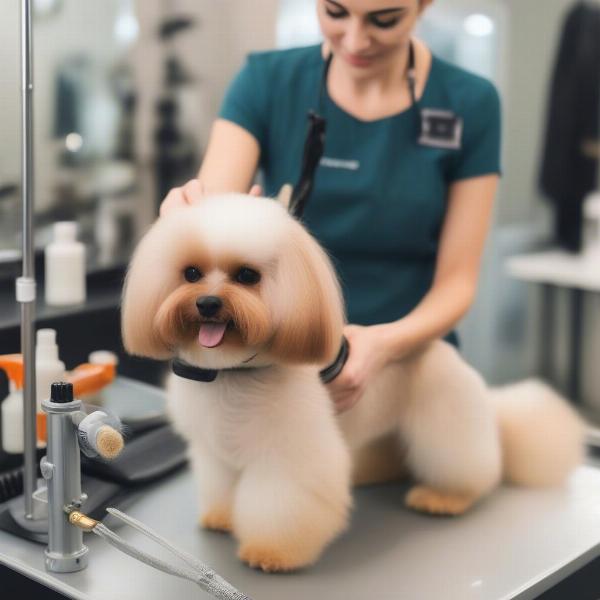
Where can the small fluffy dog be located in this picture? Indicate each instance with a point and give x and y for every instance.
(237, 285)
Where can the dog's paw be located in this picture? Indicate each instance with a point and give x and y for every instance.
(270, 558)
(217, 519)
(429, 500)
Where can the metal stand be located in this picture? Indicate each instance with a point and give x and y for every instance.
(61, 469)
(26, 284)
(27, 515)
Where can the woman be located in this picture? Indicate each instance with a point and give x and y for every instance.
(404, 222)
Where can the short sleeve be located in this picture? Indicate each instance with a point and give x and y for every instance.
(480, 151)
(246, 100)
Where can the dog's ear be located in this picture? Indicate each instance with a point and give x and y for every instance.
(309, 306)
(145, 289)
(285, 195)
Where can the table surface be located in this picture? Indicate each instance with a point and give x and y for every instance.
(557, 267)
(515, 544)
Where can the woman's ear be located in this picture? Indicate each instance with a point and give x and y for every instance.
(309, 305)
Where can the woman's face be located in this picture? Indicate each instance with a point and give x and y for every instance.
(368, 34)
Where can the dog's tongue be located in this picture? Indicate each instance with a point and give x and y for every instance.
(211, 334)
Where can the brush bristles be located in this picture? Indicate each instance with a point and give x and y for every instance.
(109, 442)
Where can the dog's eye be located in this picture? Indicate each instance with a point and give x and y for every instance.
(192, 274)
(247, 276)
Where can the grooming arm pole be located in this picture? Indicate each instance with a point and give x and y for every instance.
(25, 287)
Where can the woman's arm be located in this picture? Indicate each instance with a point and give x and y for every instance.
(464, 231)
(229, 165)
(231, 159)
(465, 228)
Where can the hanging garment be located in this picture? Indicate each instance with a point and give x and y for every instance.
(570, 158)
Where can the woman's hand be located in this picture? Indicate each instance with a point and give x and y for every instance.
(368, 354)
(191, 193)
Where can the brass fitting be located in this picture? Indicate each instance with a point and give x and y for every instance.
(82, 521)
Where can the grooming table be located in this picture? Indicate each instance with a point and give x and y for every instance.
(516, 544)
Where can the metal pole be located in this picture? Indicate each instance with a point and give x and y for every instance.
(26, 283)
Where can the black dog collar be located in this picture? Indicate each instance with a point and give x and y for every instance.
(187, 371)
(335, 368)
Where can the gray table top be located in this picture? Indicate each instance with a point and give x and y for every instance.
(515, 544)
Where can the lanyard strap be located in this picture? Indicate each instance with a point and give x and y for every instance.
(314, 143)
(195, 570)
(312, 151)
(411, 74)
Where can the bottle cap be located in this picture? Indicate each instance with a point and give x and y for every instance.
(61, 392)
(103, 357)
(65, 231)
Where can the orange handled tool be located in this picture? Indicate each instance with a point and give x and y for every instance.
(86, 378)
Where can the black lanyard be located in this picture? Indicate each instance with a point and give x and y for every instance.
(437, 128)
(314, 143)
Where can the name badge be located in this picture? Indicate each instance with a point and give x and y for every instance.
(440, 129)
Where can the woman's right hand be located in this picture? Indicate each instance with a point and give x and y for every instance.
(191, 193)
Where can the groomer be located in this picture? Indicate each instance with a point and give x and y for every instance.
(402, 196)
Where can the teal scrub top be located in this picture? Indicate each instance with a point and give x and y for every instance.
(379, 197)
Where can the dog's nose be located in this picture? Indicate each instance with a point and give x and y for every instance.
(209, 306)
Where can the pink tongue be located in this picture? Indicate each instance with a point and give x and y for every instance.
(211, 334)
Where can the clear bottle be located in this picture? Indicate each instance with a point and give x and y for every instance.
(65, 266)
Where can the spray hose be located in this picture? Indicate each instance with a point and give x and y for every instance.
(194, 570)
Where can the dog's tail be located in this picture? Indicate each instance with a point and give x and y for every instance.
(542, 436)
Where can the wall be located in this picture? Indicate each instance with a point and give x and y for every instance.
(533, 39)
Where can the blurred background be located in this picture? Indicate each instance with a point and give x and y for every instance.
(126, 91)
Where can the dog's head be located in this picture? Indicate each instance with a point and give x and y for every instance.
(232, 278)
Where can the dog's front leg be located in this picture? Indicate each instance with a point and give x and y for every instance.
(284, 522)
(216, 483)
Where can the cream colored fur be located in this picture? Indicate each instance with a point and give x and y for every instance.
(272, 461)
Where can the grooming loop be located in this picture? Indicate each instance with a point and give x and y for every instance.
(194, 570)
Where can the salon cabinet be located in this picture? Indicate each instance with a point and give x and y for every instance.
(16, 585)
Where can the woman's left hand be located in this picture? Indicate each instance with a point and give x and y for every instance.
(368, 355)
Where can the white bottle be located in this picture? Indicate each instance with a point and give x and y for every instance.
(65, 266)
(12, 421)
(101, 357)
(48, 367)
